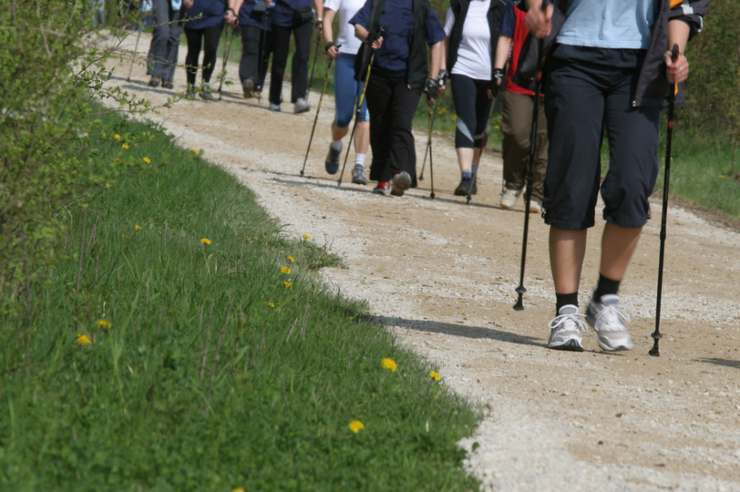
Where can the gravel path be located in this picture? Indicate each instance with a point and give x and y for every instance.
(441, 276)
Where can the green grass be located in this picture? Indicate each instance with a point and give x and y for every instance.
(213, 374)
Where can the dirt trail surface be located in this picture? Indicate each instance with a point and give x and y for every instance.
(441, 275)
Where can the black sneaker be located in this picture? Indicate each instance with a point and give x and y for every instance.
(155, 82)
(167, 84)
(400, 183)
(465, 187)
(248, 88)
(331, 164)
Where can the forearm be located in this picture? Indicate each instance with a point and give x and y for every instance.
(436, 59)
(328, 28)
(235, 5)
(361, 33)
(503, 48)
(443, 59)
(318, 5)
(678, 33)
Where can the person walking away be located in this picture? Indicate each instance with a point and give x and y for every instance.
(204, 22)
(254, 20)
(472, 28)
(296, 17)
(516, 116)
(609, 70)
(347, 87)
(165, 42)
(400, 72)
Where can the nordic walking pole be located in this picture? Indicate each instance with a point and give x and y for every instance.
(655, 351)
(315, 58)
(227, 52)
(424, 164)
(520, 290)
(432, 114)
(316, 118)
(136, 50)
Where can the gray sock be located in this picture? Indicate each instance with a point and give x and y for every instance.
(337, 145)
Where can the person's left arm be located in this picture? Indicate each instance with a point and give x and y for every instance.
(686, 18)
(318, 5)
(435, 39)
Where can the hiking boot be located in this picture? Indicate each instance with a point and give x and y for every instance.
(609, 323)
(248, 88)
(383, 188)
(566, 329)
(535, 206)
(400, 183)
(206, 93)
(167, 84)
(190, 92)
(275, 107)
(301, 106)
(465, 187)
(155, 82)
(358, 175)
(331, 163)
(509, 197)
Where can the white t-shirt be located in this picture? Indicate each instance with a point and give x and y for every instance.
(474, 53)
(346, 10)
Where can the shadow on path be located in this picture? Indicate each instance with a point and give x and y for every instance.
(720, 362)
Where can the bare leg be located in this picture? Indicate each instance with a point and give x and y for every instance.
(465, 159)
(567, 249)
(337, 132)
(362, 137)
(617, 246)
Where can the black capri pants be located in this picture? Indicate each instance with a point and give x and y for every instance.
(473, 106)
(583, 100)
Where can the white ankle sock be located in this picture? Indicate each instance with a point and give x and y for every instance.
(360, 159)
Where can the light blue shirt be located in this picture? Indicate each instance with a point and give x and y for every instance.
(621, 24)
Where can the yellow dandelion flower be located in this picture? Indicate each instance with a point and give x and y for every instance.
(291, 258)
(238, 489)
(389, 364)
(125, 146)
(205, 241)
(137, 228)
(117, 137)
(147, 160)
(271, 305)
(103, 324)
(84, 340)
(285, 270)
(356, 426)
(195, 151)
(436, 377)
(306, 236)
(288, 284)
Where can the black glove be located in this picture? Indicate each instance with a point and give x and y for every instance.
(432, 88)
(497, 80)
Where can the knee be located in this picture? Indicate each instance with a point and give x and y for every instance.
(626, 201)
(481, 140)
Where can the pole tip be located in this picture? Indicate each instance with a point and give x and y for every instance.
(432, 195)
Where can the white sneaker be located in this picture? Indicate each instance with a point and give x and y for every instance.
(301, 106)
(567, 329)
(609, 323)
(509, 197)
(535, 206)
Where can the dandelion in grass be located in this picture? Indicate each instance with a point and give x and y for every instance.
(84, 340)
(147, 160)
(238, 489)
(103, 324)
(117, 137)
(356, 426)
(291, 259)
(436, 377)
(271, 305)
(125, 146)
(389, 364)
(205, 241)
(285, 270)
(137, 228)
(306, 236)
(287, 284)
(196, 152)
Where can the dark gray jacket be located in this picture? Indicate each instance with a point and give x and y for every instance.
(652, 86)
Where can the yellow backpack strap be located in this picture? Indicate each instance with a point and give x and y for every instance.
(675, 3)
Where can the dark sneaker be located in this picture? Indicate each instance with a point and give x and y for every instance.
(465, 187)
(155, 82)
(206, 93)
(400, 183)
(331, 164)
(358, 175)
(383, 188)
(167, 84)
(248, 87)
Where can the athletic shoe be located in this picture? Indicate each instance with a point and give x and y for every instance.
(535, 206)
(205, 92)
(167, 84)
(190, 92)
(275, 107)
(301, 106)
(474, 191)
(155, 82)
(566, 329)
(509, 197)
(358, 175)
(248, 88)
(465, 187)
(400, 183)
(331, 163)
(383, 188)
(609, 323)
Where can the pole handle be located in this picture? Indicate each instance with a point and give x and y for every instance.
(674, 58)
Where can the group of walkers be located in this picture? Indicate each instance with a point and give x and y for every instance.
(584, 68)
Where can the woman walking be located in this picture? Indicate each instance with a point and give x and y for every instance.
(204, 22)
(346, 87)
(254, 20)
(165, 42)
(472, 28)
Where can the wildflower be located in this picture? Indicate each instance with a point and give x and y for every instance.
(103, 324)
(117, 137)
(147, 160)
(291, 259)
(205, 241)
(84, 340)
(137, 228)
(285, 270)
(306, 236)
(195, 151)
(389, 364)
(124, 146)
(436, 377)
(356, 426)
(270, 304)
(288, 284)
(237, 489)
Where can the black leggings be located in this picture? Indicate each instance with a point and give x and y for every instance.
(299, 75)
(253, 64)
(472, 106)
(208, 38)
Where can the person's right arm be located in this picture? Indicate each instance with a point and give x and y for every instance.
(328, 31)
(361, 21)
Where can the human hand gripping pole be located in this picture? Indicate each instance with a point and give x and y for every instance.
(655, 351)
(433, 88)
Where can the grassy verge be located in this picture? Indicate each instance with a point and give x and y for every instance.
(148, 360)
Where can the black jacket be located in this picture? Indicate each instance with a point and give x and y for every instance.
(652, 86)
(460, 9)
